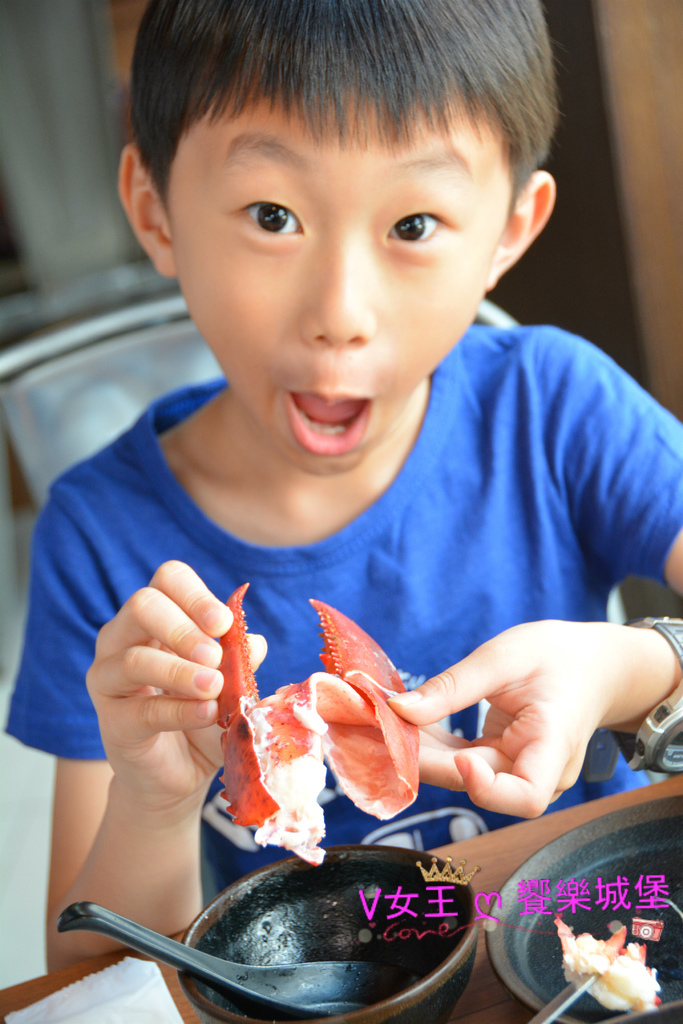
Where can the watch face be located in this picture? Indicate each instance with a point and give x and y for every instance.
(672, 754)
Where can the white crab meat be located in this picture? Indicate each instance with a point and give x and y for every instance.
(624, 982)
(295, 785)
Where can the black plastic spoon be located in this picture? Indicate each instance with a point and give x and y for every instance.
(298, 991)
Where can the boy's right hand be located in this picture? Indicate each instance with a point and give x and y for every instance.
(154, 684)
(550, 685)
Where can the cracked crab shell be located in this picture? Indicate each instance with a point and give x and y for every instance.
(272, 746)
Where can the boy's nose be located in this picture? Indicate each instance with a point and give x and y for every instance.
(339, 307)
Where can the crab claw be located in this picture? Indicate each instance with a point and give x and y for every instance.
(239, 680)
(274, 748)
(243, 777)
(373, 755)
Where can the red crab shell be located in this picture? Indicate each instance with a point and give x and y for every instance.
(372, 751)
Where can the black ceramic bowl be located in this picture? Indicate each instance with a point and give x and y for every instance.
(291, 912)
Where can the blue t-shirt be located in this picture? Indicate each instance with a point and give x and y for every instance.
(541, 477)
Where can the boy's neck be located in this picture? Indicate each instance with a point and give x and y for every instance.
(249, 491)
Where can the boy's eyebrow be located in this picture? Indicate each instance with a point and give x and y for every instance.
(269, 146)
(263, 144)
(449, 161)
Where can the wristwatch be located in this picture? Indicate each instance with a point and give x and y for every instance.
(658, 744)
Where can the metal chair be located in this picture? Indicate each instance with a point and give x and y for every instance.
(69, 391)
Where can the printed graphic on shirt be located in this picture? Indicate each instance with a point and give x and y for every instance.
(405, 832)
(411, 682)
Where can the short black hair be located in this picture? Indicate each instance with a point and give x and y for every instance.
(342, 65)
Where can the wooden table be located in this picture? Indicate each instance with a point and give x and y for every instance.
(498, 853)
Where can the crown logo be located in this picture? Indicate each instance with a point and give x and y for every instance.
(457, 877)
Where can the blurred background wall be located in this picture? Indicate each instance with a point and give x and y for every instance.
(609, 265)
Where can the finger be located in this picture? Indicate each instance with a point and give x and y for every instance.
(141, 718)
(258, 648)
(523, 788)
(494, 757)
(437, 736)
(144, 667)
(500, 662)
(182, 584)
(438, 768)
(152, 615)
(501, 792)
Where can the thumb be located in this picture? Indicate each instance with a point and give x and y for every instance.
(475, 678)
(456, 688)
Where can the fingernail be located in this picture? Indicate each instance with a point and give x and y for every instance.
(205, 709)
(206, 679)
(207, 654)
(404, 699)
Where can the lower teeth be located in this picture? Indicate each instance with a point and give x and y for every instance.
(324, 428)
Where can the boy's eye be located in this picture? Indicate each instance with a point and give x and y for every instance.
(273, 217)
(414, 228)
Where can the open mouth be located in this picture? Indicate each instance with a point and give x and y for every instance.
(327, 428)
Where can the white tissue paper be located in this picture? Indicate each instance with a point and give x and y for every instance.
(129, 992)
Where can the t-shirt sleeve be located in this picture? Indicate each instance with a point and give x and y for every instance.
(69, 601)
(618, 456)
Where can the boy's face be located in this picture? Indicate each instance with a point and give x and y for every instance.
(330, 281)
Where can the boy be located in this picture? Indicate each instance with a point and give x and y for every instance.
(336, 186)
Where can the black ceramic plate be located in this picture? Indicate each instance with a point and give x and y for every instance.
(645, 840)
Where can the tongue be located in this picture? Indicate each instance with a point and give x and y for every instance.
(317, 408)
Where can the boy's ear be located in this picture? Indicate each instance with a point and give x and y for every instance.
(530, 215)
(145, 210)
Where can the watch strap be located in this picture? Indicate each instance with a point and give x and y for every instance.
(634, 746)
(671, 630)
(627, 743)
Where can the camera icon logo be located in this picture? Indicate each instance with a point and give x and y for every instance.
(642, 928)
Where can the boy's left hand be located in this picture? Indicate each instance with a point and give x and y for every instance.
(550, 685)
